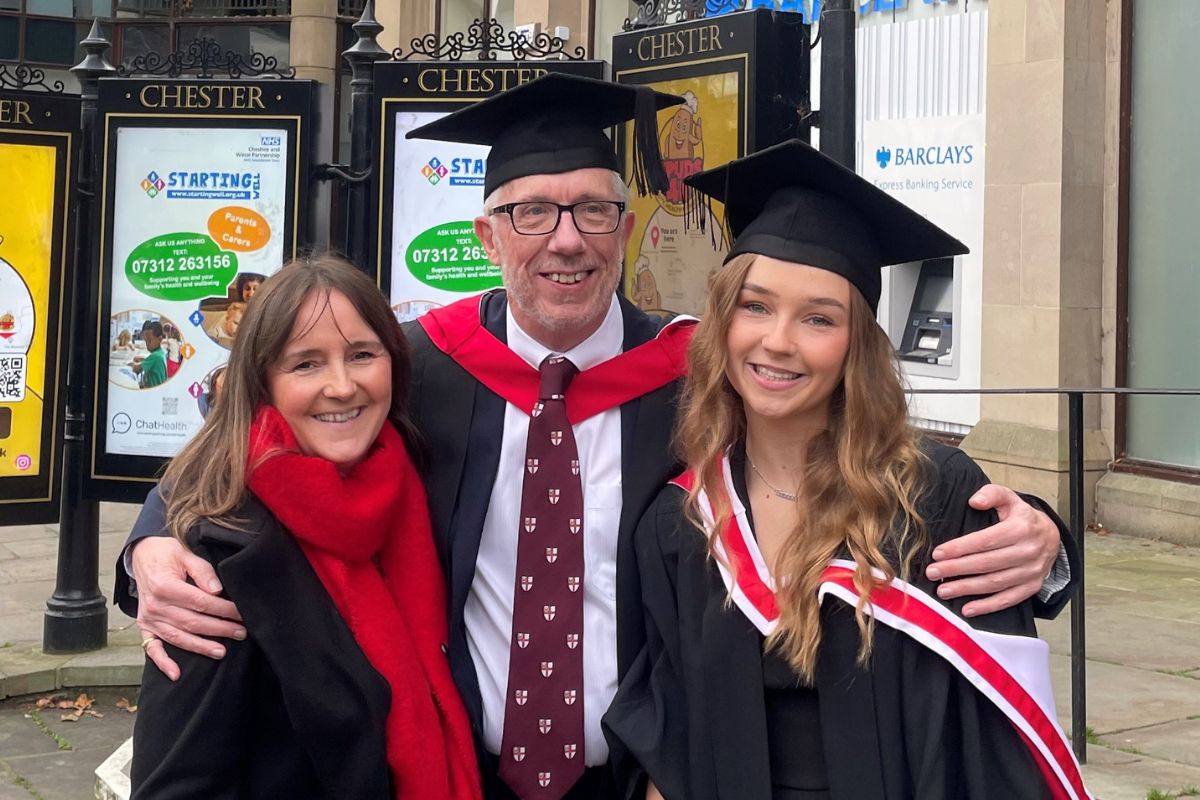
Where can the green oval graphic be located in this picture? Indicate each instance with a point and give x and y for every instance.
(450, 257)
(180, 266)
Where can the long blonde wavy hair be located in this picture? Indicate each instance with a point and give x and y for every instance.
(207, 479)
(862, 480)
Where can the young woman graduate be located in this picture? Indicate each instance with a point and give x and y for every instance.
(302, 492)
(767, 673)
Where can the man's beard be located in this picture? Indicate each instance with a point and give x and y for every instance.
(523, 295)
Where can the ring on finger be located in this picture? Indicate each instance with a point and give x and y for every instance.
(148, 641)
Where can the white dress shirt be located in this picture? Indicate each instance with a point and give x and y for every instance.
(489, 608)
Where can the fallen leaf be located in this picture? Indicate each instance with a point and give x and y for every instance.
(125, 705)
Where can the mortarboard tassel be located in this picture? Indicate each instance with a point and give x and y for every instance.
(648, 172)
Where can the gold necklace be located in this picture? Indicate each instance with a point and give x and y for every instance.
(780, 493)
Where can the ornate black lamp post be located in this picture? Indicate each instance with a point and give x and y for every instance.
(361, 57)
(77, 614)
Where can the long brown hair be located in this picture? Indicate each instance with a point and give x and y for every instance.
(862, 480)
(207, 479)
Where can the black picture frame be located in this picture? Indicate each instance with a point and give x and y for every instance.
(53, 120)
(408, 86)
(122, 102)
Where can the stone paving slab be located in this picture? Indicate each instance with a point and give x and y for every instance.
(1175, 741)
(1120, 698)
(32, 761)
(1114, 775)
(1116, 635)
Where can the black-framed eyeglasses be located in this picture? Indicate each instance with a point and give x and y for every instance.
(539, 217)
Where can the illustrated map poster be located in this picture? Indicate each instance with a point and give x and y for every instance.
(199, 222)
(36, 152)
(678, 240)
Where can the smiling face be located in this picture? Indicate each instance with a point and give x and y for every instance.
(333, 381)
(559, 284)
(787, 342)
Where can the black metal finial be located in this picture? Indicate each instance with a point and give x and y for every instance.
(94, 64)
(366, 50)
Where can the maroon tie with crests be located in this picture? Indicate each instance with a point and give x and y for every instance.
(542, 746)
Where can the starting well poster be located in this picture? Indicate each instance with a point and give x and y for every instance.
(431, 192)
(202, 187)
(198, 225)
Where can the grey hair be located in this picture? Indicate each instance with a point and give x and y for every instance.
(620, 192)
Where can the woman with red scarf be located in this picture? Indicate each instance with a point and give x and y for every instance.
(302, 491)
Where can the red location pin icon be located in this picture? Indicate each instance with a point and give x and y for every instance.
(654, 234)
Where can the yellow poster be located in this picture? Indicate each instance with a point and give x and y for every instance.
(26, 249)
(678, 239)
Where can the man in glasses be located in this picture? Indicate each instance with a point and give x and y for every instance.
(547, 409)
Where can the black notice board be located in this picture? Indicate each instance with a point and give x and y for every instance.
(39, 136)
(745, 77)
(203, 191)
(428, 192)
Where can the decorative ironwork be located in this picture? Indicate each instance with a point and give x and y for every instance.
(23, 76)
(204, 57)
(203, 8)
(487, 37)
(651, 13)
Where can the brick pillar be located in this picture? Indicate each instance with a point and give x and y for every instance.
(552, 13)
(403, 20)
(1043, 240)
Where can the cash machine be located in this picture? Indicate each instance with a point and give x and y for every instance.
(929, 331)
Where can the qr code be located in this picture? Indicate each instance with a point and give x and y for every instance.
(170, 407)
(12, 379)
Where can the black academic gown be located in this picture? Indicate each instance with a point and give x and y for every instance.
(690, 711)
(462, 422)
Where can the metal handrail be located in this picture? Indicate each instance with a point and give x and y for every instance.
(1075, 396)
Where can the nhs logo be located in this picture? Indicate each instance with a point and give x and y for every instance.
(271, 141)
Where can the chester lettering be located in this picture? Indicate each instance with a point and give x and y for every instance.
(200, 96)
(15, 112)
(475, 80)
(669, 44)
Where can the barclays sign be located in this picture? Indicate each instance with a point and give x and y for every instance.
(811, 9)
(935, 156)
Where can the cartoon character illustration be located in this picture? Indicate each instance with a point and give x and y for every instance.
(684, 133)
(645, 290)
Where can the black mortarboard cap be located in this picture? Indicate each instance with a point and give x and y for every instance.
(555, 124)
(794, 203)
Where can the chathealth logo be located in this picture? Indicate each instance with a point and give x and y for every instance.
(462, 171)
(934, 156)
(152, 184)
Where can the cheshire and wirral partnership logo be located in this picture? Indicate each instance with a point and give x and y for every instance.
(152, 184)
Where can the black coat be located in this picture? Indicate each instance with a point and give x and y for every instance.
(462, 422)
(691, 713)
(294, 711)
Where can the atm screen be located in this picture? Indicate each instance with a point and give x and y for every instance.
(937, 294)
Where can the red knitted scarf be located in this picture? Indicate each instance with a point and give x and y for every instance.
(368, 537)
